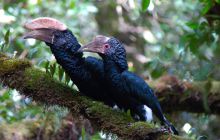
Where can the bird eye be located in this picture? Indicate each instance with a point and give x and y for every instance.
(106, 46)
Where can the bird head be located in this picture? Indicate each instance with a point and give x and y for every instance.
(49, 30)
(108, 48)
(103, 45)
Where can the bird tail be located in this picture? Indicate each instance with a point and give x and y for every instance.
(171, 127)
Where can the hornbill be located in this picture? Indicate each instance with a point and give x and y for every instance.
(86, 73)
(129, 90)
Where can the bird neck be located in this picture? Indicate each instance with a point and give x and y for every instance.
(65, 50)
(71, 44)
(66, 58)
(65, 46)
(71, 63)
(115, 64)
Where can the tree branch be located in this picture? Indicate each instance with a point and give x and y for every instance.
(36, 84)
(197, 97)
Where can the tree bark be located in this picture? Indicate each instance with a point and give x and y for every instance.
(196, 97)
(36, 84)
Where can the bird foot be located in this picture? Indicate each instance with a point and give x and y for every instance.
(164, 129)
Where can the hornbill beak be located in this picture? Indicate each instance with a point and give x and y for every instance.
(97, 45)
(45, 35)
(43, 29)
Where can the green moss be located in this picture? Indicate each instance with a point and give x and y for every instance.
(40, 80)
(36, 76)
(43, 88)
(141, 128)
(12, 65)
(142, 124)
(108, 117)
(105, 111)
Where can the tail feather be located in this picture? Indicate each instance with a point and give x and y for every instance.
(155, 106)
(171, 127)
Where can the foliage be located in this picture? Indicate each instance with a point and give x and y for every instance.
(145, 4)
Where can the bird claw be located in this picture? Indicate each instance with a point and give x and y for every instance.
(165, 129)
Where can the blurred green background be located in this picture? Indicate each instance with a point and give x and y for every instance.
(175, 37)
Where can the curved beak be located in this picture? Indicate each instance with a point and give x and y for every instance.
(45, 35)
(92, 47)
(97, 45)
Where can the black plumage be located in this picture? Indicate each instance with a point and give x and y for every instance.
(129, 90)
(86, 73)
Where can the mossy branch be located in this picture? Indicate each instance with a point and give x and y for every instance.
(196, 97)
(34, 83)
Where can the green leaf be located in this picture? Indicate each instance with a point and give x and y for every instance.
(217, 1)
(83, 133)
(6, 40)
(152, 64)
(47, 63)
(145, 4)
(67, 78)
(167, 52)
(52, 69)
(96, 137)
(158, 72)
(128, 112)
(192, 25)
(6, 37)
(72, 84)
(60, 73)
(207, 5)
(5, 96)
(72, 4)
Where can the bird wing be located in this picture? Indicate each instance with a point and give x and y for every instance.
(95, 66)
(137, 87)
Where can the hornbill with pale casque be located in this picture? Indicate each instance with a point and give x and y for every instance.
(86, 73)
(129, 90)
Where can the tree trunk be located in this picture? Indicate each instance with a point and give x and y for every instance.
(197, 97)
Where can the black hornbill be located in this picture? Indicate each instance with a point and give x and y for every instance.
(86, 73)
(129, 90)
